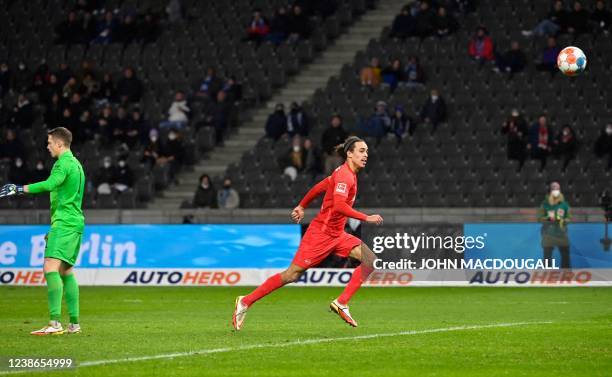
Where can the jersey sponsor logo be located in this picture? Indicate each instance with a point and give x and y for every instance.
(341, 188)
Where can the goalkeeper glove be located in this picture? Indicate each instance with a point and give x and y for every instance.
(10, 190)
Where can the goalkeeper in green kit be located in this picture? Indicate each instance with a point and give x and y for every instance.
(66, 185)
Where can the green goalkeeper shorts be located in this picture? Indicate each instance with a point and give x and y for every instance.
(64, 245)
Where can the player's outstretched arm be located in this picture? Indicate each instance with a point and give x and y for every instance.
(57, 177)
(297, 214)
(11, 189)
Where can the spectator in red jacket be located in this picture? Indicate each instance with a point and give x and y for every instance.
(481, 47)
(258, 27)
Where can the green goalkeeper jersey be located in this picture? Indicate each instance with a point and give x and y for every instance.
(66, 185)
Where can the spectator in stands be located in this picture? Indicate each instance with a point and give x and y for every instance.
(106, 125)
(258, 27)
(481, 47)
(172, 152)
(233, 90)
(90, 84)
(152, 150)
(120, 126)
(210, 85)
(205, 195)
(107, 27)
(12, 148)
(371, 75)
(69, 120)
(603, 144)
(178, 113)
(297, 121)
(578, 20)
(220, 116)
(22, 79)
(299, 26)
(540, 140)
(86, 127)
(515, 129)
(424, 21)
(602, 18)
(554, 216)
(69, 31)
(5, 79)
(129, 88)
(18, 172)
(127, 30)
(148, 29)
(332, 136)
(227, 197)
(444, 23)
(76, 104)
(393, 74)
(379, 122)
(548, 61)
(70, 88)
(403, 24)
(138, 129)
(276, 125)
(103, 180)
(413, 73)
(40, 80)
(512, 61)
(434, 110)
(49, 90)
(53, 112)
(400, 123)
(23, 113)
(293, 161)
(40, 172)
(555, 23)
(107, 92)
(123, 177)
(312, 158)
(174, 10)
(89, 27)
(565, 145)
(279, 27)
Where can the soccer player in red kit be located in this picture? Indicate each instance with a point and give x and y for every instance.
(326, 234)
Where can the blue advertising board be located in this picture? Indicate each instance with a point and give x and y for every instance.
(523, 241)
(167, 246)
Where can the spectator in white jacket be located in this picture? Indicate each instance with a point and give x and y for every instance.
(178, 114)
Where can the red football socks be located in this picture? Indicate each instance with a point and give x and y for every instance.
(353, 285)
(273, 283)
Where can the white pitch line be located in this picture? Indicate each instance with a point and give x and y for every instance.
(293, 343)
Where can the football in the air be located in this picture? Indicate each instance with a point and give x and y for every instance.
(571, 61)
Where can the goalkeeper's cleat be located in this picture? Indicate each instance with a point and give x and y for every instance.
(10, 190)
(73, 328)
(343, 312)
(239, 313)
(53, 328)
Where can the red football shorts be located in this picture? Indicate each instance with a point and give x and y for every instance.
(316, 246)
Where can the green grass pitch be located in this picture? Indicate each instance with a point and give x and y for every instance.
(564, 332)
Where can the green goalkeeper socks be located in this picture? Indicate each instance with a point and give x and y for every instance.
(55, 289)
(71, 287)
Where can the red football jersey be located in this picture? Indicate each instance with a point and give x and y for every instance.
(343, 183)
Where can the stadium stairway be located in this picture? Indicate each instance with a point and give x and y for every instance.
(301, 87)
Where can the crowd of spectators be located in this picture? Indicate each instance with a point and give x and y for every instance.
(421, 19)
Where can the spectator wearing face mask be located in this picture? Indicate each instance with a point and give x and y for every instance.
(293, 161)
(137, 129)
(40, 172)
(297, 121)
(151, 152)
(23, 112)
(565, 145)
(123, 177)
(603, 144)
(171, 152)
(18, 174)
(103, 180)
(205, 195)
(515, 129)
(434, 110)
(276, 125)
(228, 198)
(540, 140)
(554, 216)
